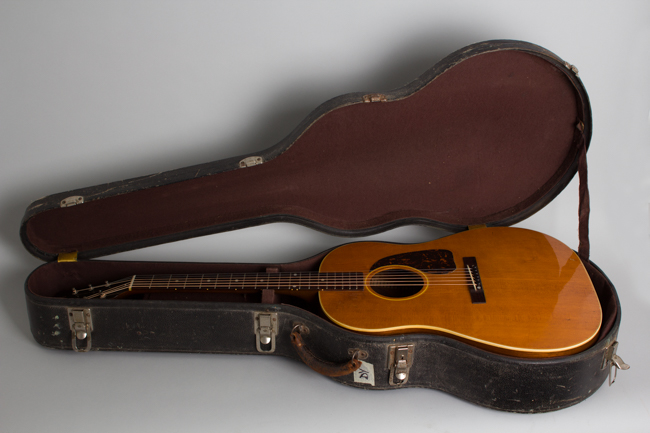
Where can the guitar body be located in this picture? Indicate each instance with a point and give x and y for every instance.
(539, 299)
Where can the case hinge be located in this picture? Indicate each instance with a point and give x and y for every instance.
(266, 328)
(400, 360)
(81, 326)
(251, 161)
(613, 361)
(571, 68)
(67, 257)
(71, 201)
(374, 97)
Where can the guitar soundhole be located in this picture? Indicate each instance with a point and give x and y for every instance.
(396, 283)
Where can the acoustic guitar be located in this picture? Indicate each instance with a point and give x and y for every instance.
(507, 290)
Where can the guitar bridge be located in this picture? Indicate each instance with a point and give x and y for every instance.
(474, 283)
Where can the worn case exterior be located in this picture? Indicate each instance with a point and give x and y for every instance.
(484, 378)
(481, 377)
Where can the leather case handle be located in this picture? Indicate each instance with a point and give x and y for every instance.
(325, 368)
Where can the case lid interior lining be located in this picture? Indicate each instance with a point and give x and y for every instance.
(483, 141)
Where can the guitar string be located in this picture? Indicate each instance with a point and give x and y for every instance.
(214, 282)
(189, 281)
(414, 280)
(253, 279)
(125, 287)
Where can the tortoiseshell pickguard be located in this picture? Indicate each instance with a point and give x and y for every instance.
(434, 261)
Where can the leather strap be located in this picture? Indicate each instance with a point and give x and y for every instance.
(583, 207)
(325, 368)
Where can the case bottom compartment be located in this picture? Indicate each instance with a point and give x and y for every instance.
(437, 362)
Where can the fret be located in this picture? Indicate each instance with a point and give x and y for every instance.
(242, 281)
(271, 280)
(283, 280)
(216, 280)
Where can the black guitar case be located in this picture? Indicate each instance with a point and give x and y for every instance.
(487, 137)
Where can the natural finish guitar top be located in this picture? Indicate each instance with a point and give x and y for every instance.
(508, 290)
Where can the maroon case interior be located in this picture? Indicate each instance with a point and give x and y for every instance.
(481, 143)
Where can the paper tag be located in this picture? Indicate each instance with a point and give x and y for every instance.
(365, 374)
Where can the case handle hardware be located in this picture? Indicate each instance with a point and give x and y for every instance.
(400, 360)
(71, 201)
(251, 161)
(613, 361)
(81, 325)
(325, 368)
(266, 328)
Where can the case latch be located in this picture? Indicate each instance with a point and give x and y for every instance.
(81, 325)
(613, 361)
(400, 360)
(266, 328)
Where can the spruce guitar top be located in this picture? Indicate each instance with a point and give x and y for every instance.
(507, 290)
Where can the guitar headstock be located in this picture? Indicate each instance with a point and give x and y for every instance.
(102, 291)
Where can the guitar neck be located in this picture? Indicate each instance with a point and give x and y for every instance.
(303, 281)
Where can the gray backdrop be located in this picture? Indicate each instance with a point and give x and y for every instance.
(92, 92)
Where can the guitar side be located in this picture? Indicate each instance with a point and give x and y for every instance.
(539, 299)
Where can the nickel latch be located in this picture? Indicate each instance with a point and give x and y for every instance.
(81, 325)
(266, 328)
(400, 360)
(613, 361)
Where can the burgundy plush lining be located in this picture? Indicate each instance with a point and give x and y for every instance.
(484, 140)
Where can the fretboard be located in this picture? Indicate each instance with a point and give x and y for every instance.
(251, 281)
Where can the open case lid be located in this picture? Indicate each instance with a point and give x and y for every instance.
(489, 135)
